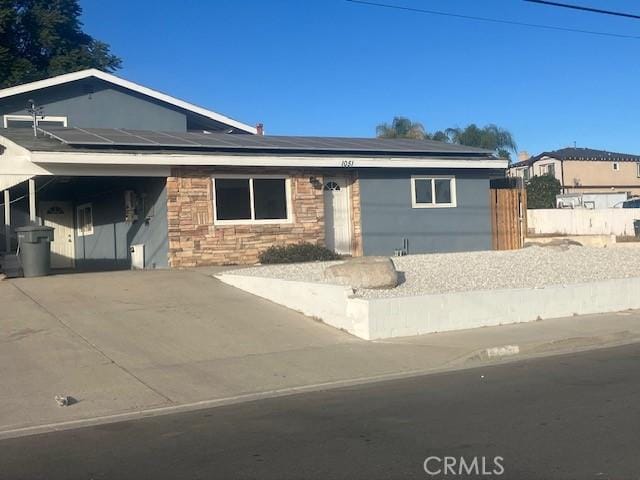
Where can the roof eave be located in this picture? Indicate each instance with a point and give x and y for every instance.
(335, 161)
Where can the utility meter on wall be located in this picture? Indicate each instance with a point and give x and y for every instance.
(130, 206)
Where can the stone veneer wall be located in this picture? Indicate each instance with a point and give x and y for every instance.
(356, 224)
(194, 240)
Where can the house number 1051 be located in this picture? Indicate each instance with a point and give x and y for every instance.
(347, 163)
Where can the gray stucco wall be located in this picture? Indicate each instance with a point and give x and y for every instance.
(388, 217)
(92, 103)
(108, 246)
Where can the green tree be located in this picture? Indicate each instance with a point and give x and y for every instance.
(43, 38)
(491, 137)
(401, 127)
(439, 136)
(542, 191)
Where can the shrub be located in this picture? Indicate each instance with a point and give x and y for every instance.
(300, 252)
(542, 191)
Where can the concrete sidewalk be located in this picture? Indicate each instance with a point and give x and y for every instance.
(126, 344)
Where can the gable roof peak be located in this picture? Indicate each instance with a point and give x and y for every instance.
(126, 84)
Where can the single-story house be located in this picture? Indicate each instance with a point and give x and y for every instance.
(129, 176)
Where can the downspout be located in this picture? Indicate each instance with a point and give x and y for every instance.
(562, 176)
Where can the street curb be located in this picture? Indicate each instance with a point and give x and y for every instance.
(220, 402)
(554, 347)
(478, 359)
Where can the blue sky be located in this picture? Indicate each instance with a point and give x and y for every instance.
(330, 67)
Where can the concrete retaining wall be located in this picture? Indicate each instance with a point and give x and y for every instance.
(404, 316)
(330, 303)
(605, 221)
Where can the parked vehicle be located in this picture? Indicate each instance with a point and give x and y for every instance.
(591, 200)
(631, 203)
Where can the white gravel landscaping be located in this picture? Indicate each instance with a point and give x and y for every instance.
(489, 270)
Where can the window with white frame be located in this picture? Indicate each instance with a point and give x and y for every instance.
(251, 199)
(433, 192)
(615, 166)
(26, 121)
(551, 170)
(638, 169)
(548, 169)
(84, 219)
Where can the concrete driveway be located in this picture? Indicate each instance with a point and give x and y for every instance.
(130, 341)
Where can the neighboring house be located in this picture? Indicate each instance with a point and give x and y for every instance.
(584, 170)
(127, 175)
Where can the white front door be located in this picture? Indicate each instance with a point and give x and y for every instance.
(337, 218)
(59, 215)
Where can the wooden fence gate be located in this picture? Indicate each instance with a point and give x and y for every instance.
(508, 218)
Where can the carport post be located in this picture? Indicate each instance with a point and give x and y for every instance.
(32, 200)
(7, 221)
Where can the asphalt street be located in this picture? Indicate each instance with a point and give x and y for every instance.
(567, 417)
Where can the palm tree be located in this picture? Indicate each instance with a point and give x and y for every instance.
(401, 127)
(490, 137)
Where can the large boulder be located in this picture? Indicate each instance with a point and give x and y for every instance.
(553, 243)
(364, 272)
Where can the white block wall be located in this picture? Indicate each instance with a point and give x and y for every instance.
(605, 221)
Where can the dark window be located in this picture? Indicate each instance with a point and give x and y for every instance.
(19, 124)
(233, 199)
(269, 198)
(551, 170)
(49, 123)
(84, 220)
(434, 192)
(443, 190)
(423, 190)
(234, 195)
(24, 121)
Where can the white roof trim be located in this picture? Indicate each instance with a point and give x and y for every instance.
(96, 158)
(8, 181)
(107, 77)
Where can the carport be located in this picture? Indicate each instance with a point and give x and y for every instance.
(105, 216)
(100, 222)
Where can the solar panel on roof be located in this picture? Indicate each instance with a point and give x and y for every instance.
(75, 136)
(353, 143)
(114, 136)
(162, 138)
(311, 142)
(279, 142)
(118, 138)
(235, 140)
(215, 140)
(291, 142)
(230, 142)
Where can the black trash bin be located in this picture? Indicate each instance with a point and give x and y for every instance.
(34, 244)
(636, 227)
